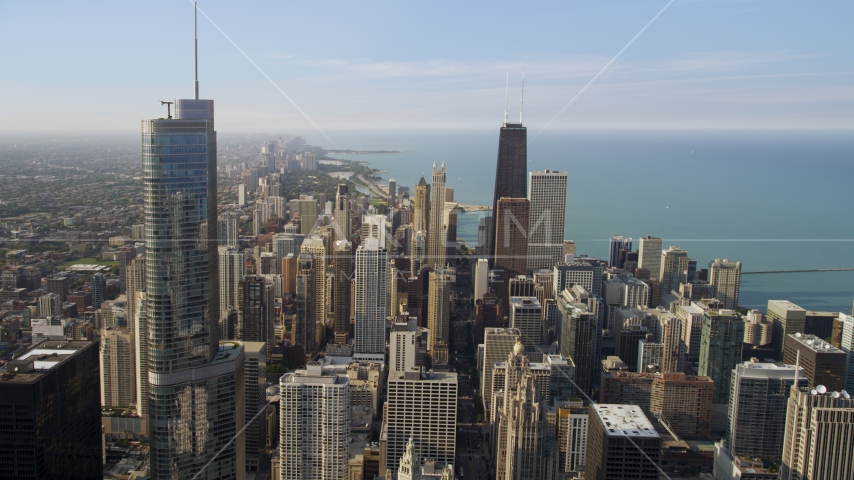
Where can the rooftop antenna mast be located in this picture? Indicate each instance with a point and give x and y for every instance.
(196, 37)
(522, 103)
(506, 93)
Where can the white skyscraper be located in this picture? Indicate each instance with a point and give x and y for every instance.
(622, 290)
(526, 315)
(572, 435)
(276, 206)
(692, 329)
(649, 257)
(498, 343)
(403, 345)
(231, 265)
(228, 229)
(375, 226)
(50, 305)
(481, 278)
(118, 369)
(522, 420)
(674, 268)
(314, 424)
(726, 277)
(261, 212)
(547, 196)
(421, 406)
(819, 435)
(370, 297)
(669, 333)
(575, 273)
(847, 346)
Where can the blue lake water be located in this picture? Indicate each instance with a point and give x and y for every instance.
(776, 200)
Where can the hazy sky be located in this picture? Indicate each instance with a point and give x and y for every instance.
(358, 65)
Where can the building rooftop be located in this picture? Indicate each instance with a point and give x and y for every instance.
(228, 350)
(425, 376)
(692, 309)
(361, 417)
(85, 267)
(39, 359)
(314, 374)
(814, 343)
(723, 312)
(768, 370)
(784, 305)
(815, 313)
(624, 420)
(253, 347)
(408, 326)
(558, 360)
(507, 331)
(525, 302)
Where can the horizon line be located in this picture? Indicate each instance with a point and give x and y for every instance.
(446, 128)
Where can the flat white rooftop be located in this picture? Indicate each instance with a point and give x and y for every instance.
(625, 420)
(87, 267)
(692, 309)
(785, 305)
(768, 370)
(49, 361)
(814, 343)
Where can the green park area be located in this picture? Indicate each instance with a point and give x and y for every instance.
(90, 261)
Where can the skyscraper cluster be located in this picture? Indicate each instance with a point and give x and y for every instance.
(343, 331)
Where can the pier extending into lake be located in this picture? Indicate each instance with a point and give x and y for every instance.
(801, 271)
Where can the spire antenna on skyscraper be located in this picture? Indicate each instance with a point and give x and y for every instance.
(506, 96)
(522, 102)
(196, 38)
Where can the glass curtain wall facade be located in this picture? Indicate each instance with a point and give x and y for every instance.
(195, 390)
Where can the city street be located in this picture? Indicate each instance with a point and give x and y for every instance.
(472, 458)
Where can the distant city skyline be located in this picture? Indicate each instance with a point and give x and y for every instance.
(237, 293)
(722, 64)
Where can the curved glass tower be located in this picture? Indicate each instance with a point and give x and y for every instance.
(195, 385)
(179, 175)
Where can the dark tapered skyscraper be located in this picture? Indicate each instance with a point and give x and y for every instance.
(306, 292)
(252, 308)
(512, 166)
(343, 271)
